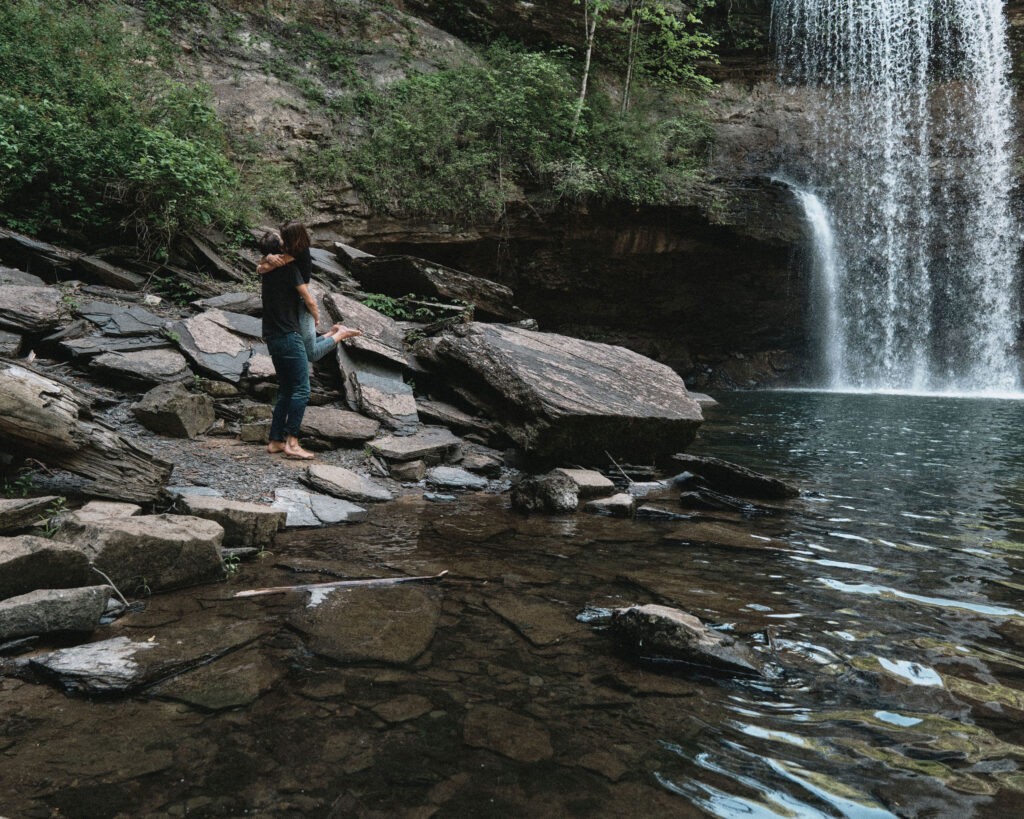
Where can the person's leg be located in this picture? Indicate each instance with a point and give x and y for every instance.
(316, 346)
(279, 353)
(297, 369)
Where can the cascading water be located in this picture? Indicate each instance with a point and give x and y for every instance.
(912, 161)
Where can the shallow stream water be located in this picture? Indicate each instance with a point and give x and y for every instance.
(887, 603)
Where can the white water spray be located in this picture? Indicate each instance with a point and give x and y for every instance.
(913, 114)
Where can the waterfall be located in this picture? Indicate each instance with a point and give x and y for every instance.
(912, 160)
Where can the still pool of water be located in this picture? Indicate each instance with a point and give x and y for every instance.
(887, 601)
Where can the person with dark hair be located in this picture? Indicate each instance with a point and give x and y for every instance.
(282, 289)
(294, 248)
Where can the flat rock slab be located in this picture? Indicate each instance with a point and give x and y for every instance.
(513, 735)
(454, 477)
(172, 410)
(589, 482)
(385, 624)
(121, 320)
(432, 445)
(11, 275)
(245, 524)
(304, 509)
(153, 366)
(249, 304)
(376, 388)
(486, 465)
(344, 483)
(98, 511)
(110, 274)
(338, 426)
(667, 632)
(154, 551)
(51, 611)
(29, 309)
(21, 513)
(442, 414)
(220, 343)
(89, 346)
(31, 255)
(399, 275)
(564, 398)
(540, 622)
(724, 534)
(403, 708)
(382, 337)
(234, 681)
(622, 505)
(120, 665)
(28, 563)
(723, 476)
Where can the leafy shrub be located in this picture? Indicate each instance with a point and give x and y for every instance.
(90, 136)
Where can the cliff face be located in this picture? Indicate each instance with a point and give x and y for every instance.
(713, 287)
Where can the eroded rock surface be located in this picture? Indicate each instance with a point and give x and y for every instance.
(344, 483)
(172, 410)
(563, 397)
(28, 563)
(50, 611)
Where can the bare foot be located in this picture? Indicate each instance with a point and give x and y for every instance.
(296, 451)
(342, 332)
(275, 446)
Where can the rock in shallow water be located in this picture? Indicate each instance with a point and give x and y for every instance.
(509, 734)
(50, 611)
(28, 563)
(389, 625)
(555, 493)
(661, 631)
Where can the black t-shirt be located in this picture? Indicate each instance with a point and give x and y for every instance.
(304, 261)
(281, 301)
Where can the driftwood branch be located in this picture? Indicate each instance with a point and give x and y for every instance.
(341, 584)
(47, 420)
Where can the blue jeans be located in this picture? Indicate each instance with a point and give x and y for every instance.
(316, 348)
(292, 367)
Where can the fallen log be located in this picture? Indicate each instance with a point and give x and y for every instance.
(340, 584)
(50, 421)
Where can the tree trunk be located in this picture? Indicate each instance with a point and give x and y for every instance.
(634, 36)
(49, 421)
(591, 29)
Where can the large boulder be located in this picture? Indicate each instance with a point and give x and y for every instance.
(245, 524)
(400, 275)
(172, 410)
(220, 343)
(28, 563)
(29, 309)
(661, 631)
(150, 551)
(50, 611)
(389, 624)
(382, 336)
(560, 397)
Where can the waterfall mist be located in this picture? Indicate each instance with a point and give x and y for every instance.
(912, 164)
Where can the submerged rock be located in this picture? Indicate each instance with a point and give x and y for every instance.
(513, 735)
(51, 611)
(561, 397)
(234, 681)
(391, 624)
(661, 631)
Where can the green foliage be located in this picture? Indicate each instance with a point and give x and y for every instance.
(51, 520)
(18, 487)
(91, 136)
(670, 47)
(460, 143)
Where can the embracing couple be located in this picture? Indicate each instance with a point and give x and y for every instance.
(290, 316)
